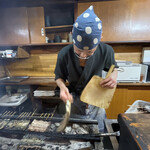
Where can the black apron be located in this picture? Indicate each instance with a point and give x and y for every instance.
(78, 107)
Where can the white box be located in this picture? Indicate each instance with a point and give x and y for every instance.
(146, 55)
(129, 73)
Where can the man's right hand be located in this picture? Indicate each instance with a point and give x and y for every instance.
(65, 95)
(64, 92)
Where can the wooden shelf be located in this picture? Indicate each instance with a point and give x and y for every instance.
(40, 44)
(107, 42)
(58, 27)
(127, 42)
(50, 44)
(47, 44)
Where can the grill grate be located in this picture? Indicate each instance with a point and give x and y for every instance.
(30, 116)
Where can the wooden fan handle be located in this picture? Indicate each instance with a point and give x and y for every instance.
(110, 71)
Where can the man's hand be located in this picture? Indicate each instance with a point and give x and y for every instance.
(65, 95)
(64, 92)
(111, 81)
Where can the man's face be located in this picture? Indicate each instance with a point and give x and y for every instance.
(84, 54)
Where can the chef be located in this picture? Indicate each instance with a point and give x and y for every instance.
(78, 62)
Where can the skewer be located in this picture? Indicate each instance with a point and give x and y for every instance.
(33, 113)
(48, 116)
(45, 115)
(26, 114)
(29, 114)
(41, 115)
(12, 114)
(3, 113)
(6, 114)
(53, 112)
(21, 115)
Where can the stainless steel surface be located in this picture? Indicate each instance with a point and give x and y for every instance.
(15, 79)
(4, 78)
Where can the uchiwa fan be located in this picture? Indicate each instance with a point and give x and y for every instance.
(94, 94)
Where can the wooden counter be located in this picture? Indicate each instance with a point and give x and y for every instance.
(47, 81)
(125, 94)
(133, 84)
(134, 131)
(43, 81)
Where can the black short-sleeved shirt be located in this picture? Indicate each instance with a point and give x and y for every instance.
(68, 66)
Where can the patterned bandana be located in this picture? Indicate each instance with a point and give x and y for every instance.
(87, 30)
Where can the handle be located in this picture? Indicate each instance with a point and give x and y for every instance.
(107, 134)
(68, 106)
(42, 31)
(110, 71)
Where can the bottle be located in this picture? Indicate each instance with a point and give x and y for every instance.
(70, 37)
(46, 39)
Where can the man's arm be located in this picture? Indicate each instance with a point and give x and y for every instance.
(111, 81)
(64, 92)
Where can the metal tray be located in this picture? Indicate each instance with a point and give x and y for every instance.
(15, 79)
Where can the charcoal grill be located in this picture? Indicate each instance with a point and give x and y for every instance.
(49, 136)
(45, 117)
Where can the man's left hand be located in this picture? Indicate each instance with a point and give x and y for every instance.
(111, 81)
